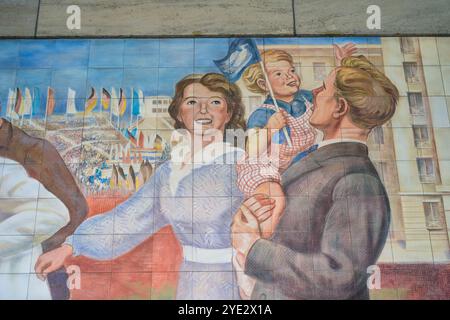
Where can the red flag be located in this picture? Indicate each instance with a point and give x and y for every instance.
(50, 107)
(141, 140)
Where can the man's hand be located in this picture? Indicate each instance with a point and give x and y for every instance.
(275, 192)
(1, 122)
(245, 229)
(52, 261)
(341, 52)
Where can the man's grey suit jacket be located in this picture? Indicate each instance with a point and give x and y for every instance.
(334, 227)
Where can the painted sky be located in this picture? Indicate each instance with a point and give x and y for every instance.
(153, 65)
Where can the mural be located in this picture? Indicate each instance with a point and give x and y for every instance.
(269, 168)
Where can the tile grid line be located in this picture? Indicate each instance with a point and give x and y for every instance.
(37, 18)
(293, 19)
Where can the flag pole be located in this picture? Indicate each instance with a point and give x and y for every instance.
(288, 139)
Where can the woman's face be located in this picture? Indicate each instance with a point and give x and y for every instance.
(202, 109)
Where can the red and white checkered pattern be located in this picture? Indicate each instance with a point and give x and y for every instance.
(270, 165)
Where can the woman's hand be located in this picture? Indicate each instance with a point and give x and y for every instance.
(52, 261)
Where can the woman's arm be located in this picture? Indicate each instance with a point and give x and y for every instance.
(109, 235)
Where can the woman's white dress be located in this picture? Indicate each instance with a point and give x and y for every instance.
(198, 200)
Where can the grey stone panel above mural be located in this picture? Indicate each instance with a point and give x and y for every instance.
(18, 17)
(314, 17)
(181, 18)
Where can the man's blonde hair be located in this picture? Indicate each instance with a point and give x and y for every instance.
(254, 73)
(371, 95)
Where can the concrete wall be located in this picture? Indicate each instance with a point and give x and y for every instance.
(100, 18)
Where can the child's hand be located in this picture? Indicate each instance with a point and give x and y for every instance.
(341, 52)
(278, 120)
(261, 206)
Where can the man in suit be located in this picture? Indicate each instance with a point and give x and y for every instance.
(42, 165)
(337, 213)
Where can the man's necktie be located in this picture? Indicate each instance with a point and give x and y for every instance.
(303, 154)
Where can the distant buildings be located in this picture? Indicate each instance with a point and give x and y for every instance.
(156, 106)
(421, 134)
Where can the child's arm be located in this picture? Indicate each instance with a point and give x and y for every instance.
(276, 122)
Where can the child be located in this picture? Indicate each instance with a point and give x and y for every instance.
(264, 174)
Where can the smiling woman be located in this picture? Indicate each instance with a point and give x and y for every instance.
(199, 214)
(190, 94)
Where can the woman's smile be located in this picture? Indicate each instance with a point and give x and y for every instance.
(203, 121)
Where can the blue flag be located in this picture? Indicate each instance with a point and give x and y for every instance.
(136, 107)
(241, 54)
(36, 100)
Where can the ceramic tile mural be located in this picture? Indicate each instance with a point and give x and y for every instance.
(164, 168)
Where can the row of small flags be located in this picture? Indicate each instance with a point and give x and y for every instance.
(24, 103)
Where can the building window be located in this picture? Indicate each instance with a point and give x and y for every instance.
(154, 102)
(421, 137)
(410, 69)
(407, 45)
(415, 103)
(426, 169)
(378, 135)
(319, 71)
(432, 216)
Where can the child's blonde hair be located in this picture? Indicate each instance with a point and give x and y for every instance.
(254, 73)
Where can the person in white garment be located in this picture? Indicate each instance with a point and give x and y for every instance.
(29, 215)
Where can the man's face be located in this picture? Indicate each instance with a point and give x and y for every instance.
(325, 103)
(285, 82)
